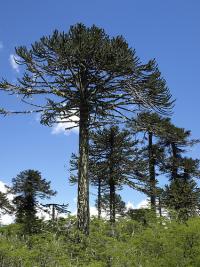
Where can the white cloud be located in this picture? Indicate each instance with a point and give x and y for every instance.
(61, 127)
(143, 204)
(2, 187)
(1, 45)
(6, 218)
(129, 205)
(13, 63)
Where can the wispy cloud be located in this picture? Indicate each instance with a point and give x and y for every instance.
(12, 60)
(143, 204)
(1, 45)
(61, 127)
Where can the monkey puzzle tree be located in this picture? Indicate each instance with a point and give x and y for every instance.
(27, 187)
(86, 74)
(175, 140)
(115, 153)
(152, 126)
(120, 205)
(183, 193)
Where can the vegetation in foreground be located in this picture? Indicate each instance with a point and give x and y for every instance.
(129, 243)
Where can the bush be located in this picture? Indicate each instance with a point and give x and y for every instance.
(128, 243)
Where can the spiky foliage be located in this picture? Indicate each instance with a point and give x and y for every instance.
(86, 74)
(28, 187)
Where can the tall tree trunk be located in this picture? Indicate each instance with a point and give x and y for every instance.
(111, 180)
(174, 162)
(99, 198)
(53, 212)
(112, 201)
(83, 213)
(152, 174)
(159, 206)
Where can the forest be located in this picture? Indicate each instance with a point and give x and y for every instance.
(124, 110)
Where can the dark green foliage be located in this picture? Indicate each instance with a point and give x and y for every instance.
(29, 186)
(143, 216)
(182, 194)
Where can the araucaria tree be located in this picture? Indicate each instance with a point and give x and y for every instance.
(183, 193)
(116, 160)
(29, 186)
(83, 73)
(152, 126)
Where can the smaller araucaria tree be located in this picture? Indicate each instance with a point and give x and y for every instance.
(29, 186)
(113, 162)
(120, 205)
(183, 193)
(151, 126)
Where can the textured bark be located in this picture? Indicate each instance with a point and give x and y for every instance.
(99, 198)
(152, 174)
(83, 214)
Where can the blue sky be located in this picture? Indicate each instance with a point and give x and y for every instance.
(166, 30)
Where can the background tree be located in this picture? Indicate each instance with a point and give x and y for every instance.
(183, 193)
(176, 141)
(120, 205)
(113, 163)
(29, 186)
(83, 73)
(54, 209)
(150, 126)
